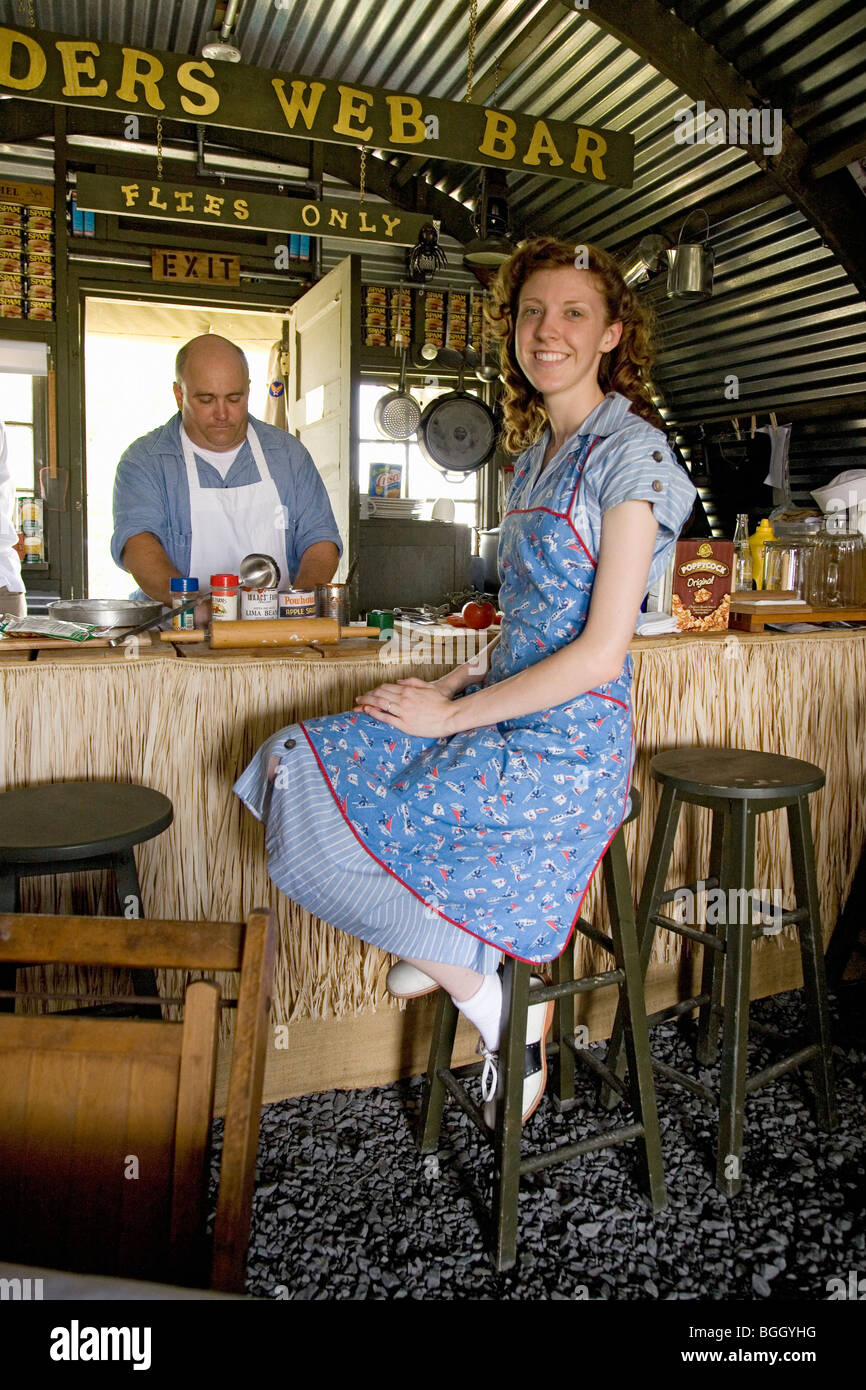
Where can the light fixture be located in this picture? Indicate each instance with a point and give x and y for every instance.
(645, 259)
(219, 44)
(490, 245)
(690, 265)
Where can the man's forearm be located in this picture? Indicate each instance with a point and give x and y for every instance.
(150, 567)
(318, 565)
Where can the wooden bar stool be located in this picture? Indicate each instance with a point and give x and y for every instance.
(441, 1078)
(737, 785)
(71, 827)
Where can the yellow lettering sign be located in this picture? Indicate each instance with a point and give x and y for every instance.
(130, 193)
(390, 223)
(210, 97)
(338, 219)
(74, 67)
(141, 69)
(154, 199)
(310, 215)
(362, 223)
(498, 139)
(407, 121)
(242, 209)
(37, 63)
(353, 107)
(542, 144)
(183, 201)
(212, 204)
(589, 147)
(292, 109)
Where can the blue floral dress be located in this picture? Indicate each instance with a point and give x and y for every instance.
(498, 830)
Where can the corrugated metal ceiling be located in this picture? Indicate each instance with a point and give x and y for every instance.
(785, 318)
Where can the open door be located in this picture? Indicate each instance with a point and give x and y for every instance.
(322, 395)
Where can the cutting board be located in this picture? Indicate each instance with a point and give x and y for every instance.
(35, 644)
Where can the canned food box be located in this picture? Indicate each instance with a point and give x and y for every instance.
(10, 239)
(41, 309)
(39, 220)
(40, 288)
(298, 603)
(11, 263)
(38, 263)
(385, 479)
(10, 215)
(11, 282)
(38, 243)
(11, 306)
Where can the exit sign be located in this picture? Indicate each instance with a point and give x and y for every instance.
(196, 267)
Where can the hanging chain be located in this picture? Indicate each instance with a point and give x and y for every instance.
(496, 80)
(470, 61)
(363, 183)
(31, 13)
(159, 149)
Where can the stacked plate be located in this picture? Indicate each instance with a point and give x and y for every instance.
(394, 507)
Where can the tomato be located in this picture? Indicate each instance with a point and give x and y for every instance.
(498, 619)
(478, 615)
(455, 620)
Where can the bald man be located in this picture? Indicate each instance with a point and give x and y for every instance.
(213, 485)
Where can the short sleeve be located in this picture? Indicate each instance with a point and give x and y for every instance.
(139, 502)
(645, 470)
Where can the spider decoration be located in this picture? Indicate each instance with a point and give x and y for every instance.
(427, 256)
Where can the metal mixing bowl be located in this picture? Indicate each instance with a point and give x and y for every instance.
(106, 612)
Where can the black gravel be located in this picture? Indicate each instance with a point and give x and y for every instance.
(346, 1208)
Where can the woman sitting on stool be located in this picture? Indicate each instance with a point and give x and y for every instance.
(451, 820)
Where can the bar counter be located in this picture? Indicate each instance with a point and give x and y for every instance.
(186, 721)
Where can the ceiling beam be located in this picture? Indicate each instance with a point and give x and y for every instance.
(834, 207)
(28, 120)
(844, 153)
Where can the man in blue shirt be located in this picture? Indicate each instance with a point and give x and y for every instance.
(195, 496)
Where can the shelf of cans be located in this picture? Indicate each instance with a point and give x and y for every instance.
(26, 260)
(449, 318)
(30, 523)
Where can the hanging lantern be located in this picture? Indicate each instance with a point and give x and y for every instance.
(690, 265)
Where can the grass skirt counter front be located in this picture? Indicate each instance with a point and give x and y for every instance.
(188, 725)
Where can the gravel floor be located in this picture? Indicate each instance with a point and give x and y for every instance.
(346, 1208)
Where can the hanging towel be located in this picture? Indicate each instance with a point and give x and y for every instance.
(275, 405)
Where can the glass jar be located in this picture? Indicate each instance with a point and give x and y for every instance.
(789, 564)
(838, 577)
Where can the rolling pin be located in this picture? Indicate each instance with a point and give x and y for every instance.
(271, 632)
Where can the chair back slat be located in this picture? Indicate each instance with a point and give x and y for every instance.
(105, 1124)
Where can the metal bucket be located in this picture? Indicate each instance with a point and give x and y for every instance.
(690, 265)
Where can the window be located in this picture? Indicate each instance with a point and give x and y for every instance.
(420, 479)
(18, 414)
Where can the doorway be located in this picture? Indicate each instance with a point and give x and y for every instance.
(129, 352)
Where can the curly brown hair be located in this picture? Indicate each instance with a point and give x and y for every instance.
(625, 368)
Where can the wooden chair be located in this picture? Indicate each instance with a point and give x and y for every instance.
(105, 1123)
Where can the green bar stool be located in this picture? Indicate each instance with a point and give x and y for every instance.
(737, 785)
(70, 827)
(442, 1078)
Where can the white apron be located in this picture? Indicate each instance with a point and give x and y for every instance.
(229, 523)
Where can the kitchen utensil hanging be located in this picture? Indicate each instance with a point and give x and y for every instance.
(397, 414)
(457, 431)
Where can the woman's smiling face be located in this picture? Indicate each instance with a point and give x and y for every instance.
(562, 333)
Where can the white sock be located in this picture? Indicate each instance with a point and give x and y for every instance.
(484, 1009)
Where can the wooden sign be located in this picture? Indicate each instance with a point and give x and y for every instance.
(201, 267)
(219, 206)
(39, 66)
(34, 195)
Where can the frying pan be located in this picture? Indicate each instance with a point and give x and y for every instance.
(457, 431)
(397, 414)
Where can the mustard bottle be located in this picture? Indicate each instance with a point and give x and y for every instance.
(763, 534)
